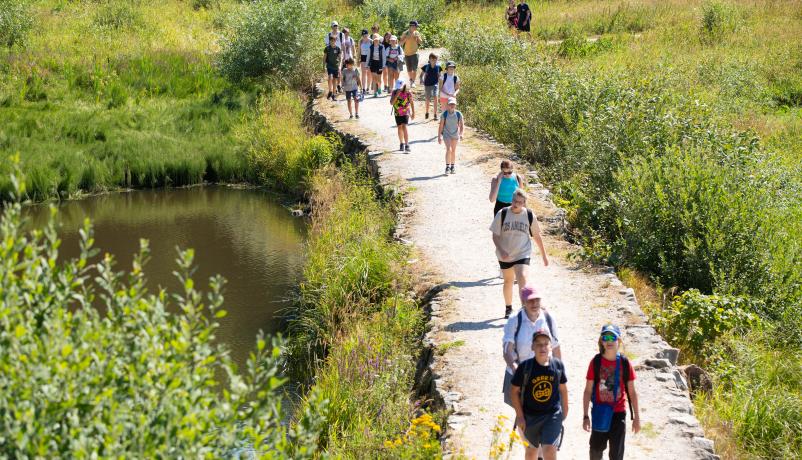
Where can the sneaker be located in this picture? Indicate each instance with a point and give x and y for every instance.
(376, 93)
(328, 96)
(507, 311)
(452, 170)
(357, 116)
(413, 85)
(426, 117)
(339, 89)
(435, 117)
(350, 117)
(447, 170)
(401, 147)
(406, 147)
(380, 90)
(334, 97)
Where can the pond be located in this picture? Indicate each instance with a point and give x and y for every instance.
(241, 234)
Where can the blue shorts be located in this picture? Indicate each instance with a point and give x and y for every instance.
(351, 95)
(333, 71)
(544, 429)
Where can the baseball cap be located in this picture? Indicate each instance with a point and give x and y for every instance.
(364, 31)
(399, 84)
(543, 332)
(335, 24)
(413, 22)
(611, 329)
(529, 291)
(453, 100)
(393, 37)
(451, 64)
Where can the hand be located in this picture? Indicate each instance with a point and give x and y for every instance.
(439, 139)
(545, 261)
(521, 424)
(636, 425)
(460, 137)
(586, 424)
(413, 116)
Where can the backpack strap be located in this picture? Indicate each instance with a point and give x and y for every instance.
(527, 373)
(518, 329)
(445, 115)
(550, 323)
(504, 215)
(531, 216)
(627, 377)
(596, 376)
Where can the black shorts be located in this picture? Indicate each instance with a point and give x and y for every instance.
(401, 120)
(392, 65)
(499, 206)
(523, 27)
(333, 72)
(376, 67)
(351, 95)
(363, 58)
(411, 62)
(506, 265)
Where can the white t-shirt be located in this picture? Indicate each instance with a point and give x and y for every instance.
(348, 48)
(449, 82)
(523, 346)
(515, 237)
(337, 37)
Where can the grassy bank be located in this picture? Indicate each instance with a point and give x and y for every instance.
(673, 141)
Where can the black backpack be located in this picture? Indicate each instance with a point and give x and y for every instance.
(625, 365)
(549, 322)
(529, 214)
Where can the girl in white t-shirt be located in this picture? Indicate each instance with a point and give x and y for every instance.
(449, 84)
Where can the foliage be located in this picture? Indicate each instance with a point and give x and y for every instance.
(280, 150)
(755, 408)
(471, 43)
(81, 383)
(503, 444)
(579, 46)
(718, 20)
(273, 39)
(398, 13)
(693, 321)
(419, 442)
(117, 15)
(15, 21)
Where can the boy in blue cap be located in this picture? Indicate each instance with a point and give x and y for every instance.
(610, 379)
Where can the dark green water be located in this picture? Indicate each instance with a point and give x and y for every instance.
(242, 234)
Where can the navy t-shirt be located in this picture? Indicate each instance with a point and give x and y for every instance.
(430, 76)
(541, 393)
(523, 8)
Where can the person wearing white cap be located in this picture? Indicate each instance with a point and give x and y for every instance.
(393, 61)
(338, 42)
(403, 109)
(450, 132)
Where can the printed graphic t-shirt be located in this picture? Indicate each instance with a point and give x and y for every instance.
(350, 79)
(604, 393)
(541, 393)
(515, 238)
(333, 56)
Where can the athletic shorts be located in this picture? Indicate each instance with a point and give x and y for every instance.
(350, 95)
(430, 92)
(443, 101)
(544, 429)
(499, 206)
(333, 71)
(506, 265)
(363, 58)
(392, 65)
(411, 61)
(401, 120)
(523, 28)
(376, 67)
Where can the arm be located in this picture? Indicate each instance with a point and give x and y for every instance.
(510, 356)
(586, 405)
(456, 88)
(515, 396)
(564, 399)
(412, 104)
(521, 181)
(495, 184)
(539, 241)
(418, 37)
(440, 130)
(557, 353)
(633, 396)
(461, 126)
(497, 242)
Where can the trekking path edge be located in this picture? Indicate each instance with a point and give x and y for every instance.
(448, 226)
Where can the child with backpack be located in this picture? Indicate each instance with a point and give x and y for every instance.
(449, 84)
(429, 78)
(450, 132)
(610, 383)
(403, 109)
(376, 62)
(351, 83)
(540, 398)
(513, 230)
(364, 52)
(393, 61)
(332, 56)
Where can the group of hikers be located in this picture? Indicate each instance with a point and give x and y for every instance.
(535, 377)
(381, 60)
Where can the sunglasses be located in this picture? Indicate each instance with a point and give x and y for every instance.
(506, 171)
(608, 338)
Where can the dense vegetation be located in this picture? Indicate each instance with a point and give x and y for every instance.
(673, 140)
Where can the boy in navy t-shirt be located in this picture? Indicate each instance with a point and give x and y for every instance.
(542, 404)
(430, 78)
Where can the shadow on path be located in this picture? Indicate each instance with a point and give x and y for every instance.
(475, 326)
(420, 178)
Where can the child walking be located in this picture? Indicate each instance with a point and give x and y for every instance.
(610, 381)
(364, 51)
(351, 83)
(403, 109)
(393, 61)
(450, 132)
(332, 56)
(449, 84)
(376, 64)
(430, 76)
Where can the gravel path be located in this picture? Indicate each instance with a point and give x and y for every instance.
(449, 228)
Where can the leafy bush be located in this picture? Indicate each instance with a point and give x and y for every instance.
(274, 39)
(625, 18)
(15, 21)
(280, 150)
(81, 383)
(471, 43)
(117, 15)
(579, 46)
(693, 321)
(398, 13)
(718, 21)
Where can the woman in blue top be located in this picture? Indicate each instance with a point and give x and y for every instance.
(503, 185)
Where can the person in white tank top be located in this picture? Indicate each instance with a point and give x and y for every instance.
(449, 84)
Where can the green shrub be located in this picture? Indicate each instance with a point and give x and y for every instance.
(579, 47)
(625, 18)
(276, 40)
(693, 321)
(398, 13)
(15, 21)
(117, 15)
(81, 383)
(471, 43)
(718, 21)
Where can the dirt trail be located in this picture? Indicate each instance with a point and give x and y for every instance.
(449, 228)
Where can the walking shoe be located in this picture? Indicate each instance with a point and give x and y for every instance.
(413, 85)
(435, 117)
(380, 90)
(334, 97)
(426, 117)
(507, 311)
(452, 170)
(406, 147)
(328, 96)
(357, 116)
(339, 89)
(350, 117)
(401, 147)
(447, 170)
(376, 93)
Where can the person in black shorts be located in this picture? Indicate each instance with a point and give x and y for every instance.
(524, 17)
(513, 230)
(332, 56)
(404, 110)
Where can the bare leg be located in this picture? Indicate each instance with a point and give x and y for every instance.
(509, 278)
(521, 271)
(349, 107)
(531, 453)
(406, 134)
(549, 452)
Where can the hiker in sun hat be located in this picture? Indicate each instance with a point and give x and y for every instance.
(450, 132)
(610, 382)
(411, 40)
(540, 398)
